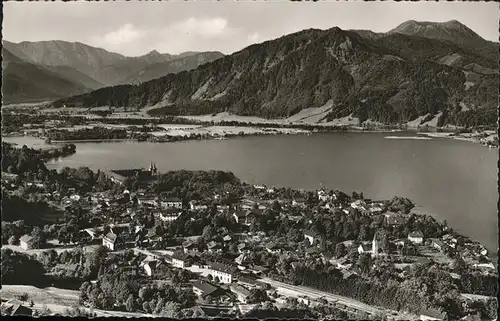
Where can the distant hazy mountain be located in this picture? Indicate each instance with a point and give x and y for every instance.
(391, 79)
(91, 67)
(27, 82)
(77, 55)
(182, 62)
(368, 34)
(75, 76)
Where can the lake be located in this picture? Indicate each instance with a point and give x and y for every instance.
(450, 179)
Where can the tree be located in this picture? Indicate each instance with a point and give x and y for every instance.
(159, 306)
(401, 204)
(38, 238)
(340, 250)
(208, 233)
(13, 240)
(94, 260)
(364, 262)
(145, 307)
(491, 307)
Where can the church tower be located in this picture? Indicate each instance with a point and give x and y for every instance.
(375, 245)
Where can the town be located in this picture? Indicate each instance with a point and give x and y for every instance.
(204, 244)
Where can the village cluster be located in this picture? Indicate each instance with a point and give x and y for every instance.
(224, 258)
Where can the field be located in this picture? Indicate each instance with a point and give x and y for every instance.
(56, 300)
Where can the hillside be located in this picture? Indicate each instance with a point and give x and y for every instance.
(443, 52)
(27, 82)
(361, 77)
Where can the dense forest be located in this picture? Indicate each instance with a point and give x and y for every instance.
(96, 133)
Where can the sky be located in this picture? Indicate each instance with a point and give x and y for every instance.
(135, 28)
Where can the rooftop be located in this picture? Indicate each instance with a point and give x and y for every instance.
(223, 267)
(25, 238)
(205, 287)
(416, 234)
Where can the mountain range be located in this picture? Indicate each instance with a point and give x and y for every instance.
(48, 70)
(418, 69)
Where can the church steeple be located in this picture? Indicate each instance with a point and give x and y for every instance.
(152, 168)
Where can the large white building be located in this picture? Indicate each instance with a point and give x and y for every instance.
(223, 272)
(416, 237)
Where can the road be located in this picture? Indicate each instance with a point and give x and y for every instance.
(296, 291)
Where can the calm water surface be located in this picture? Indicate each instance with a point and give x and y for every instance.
(453, 180)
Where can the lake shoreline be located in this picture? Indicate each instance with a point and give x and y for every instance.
(316, 161)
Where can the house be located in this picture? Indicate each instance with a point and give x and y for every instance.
(153, 235)
(110, 240)
(375, 208)
(147, 201)
(312, 251)
(171, 202)
(242, 248)
(170, 214)
(273, 248)
(241, 292)
(257, 269)
(365, 248)
(189, 246)
(213, 247)
(299, 202)
(312, 236)
(227, 238)
(394, 219)
(204, 289)
(245, 217)
(240, 217)
(346, 274)
(242, 259)
(324, 196)
(180, 260)
(116, 237)
(223, 272)
(75, 197)
(194, 205)
(416, 237)
(94, 233)
(25, 242)
(437, 244)
(400, 242)
(250, 281)
(150, 266)
(359, 205)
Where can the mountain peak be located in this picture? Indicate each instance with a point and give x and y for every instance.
(153, 53)
(452, 30)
